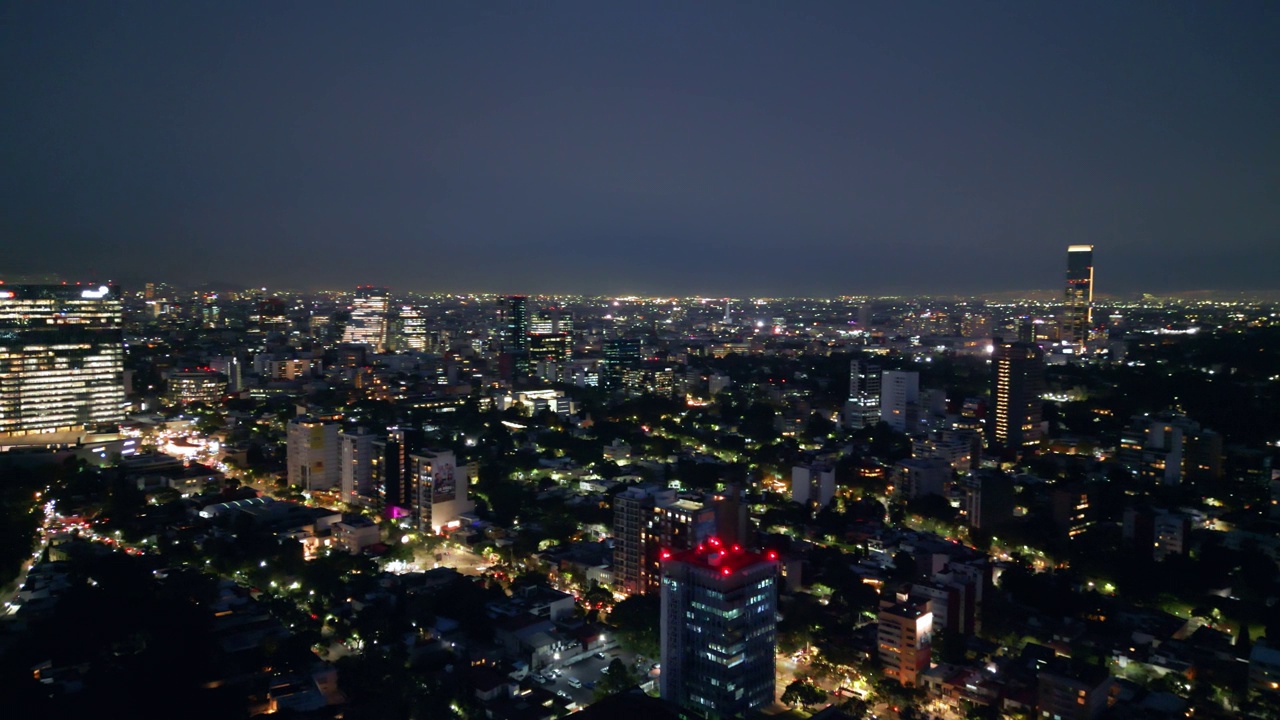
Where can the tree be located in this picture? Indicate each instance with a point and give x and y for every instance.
(616, 678)
(637, 620)
(803, 693)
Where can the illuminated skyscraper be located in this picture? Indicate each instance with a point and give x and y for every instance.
(515, 317)
(1077, 314)
(368, 324)
(863, 408)
(719, 629)
(413, 329)
(1017, 385)
(61, 363)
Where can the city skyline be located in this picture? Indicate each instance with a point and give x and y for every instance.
(796, 150)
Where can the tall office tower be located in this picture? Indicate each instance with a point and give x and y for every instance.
(619, 354)
(313, 453)
(368, 324)
(442, 490)
(515, 321)
(900, 400)
(61, 363)
(355, 452)
(1017, 384)
(551, 335)
(1077, 315)
(863, 408)
(394, 483)
(904, 639)
(719, 629)
(413, 329)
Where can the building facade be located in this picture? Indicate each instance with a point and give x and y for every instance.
(719, 630)
(1077, 314)
(313, 453)
(61, 363)
(863, 407)
(368, 324)
(1017, 386)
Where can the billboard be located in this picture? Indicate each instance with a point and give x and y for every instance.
(443, 488)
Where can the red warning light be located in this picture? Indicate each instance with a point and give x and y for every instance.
(725, 571)
(714, 542)
(666, 554)
(772, 555)
(737, 548)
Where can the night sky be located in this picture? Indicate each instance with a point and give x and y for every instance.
(749, 148)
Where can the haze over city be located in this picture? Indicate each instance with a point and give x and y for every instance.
(716, 148)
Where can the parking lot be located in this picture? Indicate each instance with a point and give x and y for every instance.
(588, 672)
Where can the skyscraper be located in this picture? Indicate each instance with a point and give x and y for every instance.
(719, 629)
(1077, 313)
(61, 363)
(1017, 384)
(863, 408)
(516, 322)
(413, 329)
(356, 455)
(368, 324)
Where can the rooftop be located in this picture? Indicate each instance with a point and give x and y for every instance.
(714, 555)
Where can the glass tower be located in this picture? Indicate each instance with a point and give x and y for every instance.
(1078, 310)
(61, 363)
(719, 629)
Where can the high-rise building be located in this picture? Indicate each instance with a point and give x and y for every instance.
(368, 324)
(1077, 312)
(61, 363)
(619, 354)
(313, 453)
(646, 520)
(904, 639)
(394, 483)
(719, 629)
(900, 400)
(989, 498)
(551, 335)
(1017, 386)
(863, 408)
(355, 450)
(442, 490)
(515, 318)
(413, 329)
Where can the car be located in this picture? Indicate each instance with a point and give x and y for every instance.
(575, 682)
(601, 655)
(563, 694)
(591, 685)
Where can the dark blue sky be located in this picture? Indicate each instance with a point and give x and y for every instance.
(693, 147)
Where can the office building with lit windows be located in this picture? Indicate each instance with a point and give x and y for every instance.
(61, 363)
(368, 324)
(719, 629)
(1017, 386)
(863, 408)
(413, 329)
(1077, 312)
